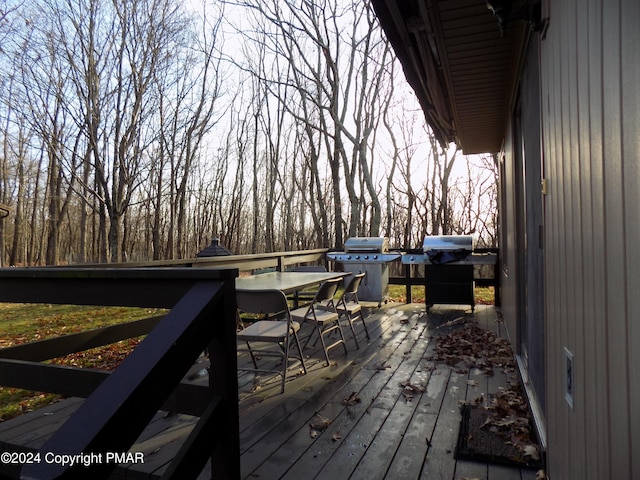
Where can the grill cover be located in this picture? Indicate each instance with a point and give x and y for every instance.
(366, 244)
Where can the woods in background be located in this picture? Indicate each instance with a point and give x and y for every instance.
(139, 129)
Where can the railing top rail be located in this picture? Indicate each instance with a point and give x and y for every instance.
(106, 271)
(133, 287)
(242, 262)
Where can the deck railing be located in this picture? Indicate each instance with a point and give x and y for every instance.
(119, 405)
(250, 262)
(489, 274)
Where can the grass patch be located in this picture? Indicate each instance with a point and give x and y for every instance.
(23, 323)
(398, 293)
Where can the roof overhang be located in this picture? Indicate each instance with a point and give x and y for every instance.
(459, 63)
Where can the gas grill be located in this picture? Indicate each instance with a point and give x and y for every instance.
(370, 255)
(449, 268)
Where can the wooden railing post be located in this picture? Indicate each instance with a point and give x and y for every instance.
(407, 275)
(223, 383)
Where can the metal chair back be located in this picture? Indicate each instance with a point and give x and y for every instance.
(327, 290)
(354, 284)
(262, 301)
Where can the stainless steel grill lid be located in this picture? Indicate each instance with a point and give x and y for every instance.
(362, 250)
(447, 243)
(366, 244)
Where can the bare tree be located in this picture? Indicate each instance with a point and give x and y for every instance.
(46, 93)
(191, 115)
(438, 202)
(114, 148)
(328, 50)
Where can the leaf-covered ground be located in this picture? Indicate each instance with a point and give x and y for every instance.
(22, 323)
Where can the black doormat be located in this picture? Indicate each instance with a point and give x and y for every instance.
(478, 442)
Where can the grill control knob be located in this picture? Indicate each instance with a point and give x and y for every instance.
(375, 257)
(366, 257)
(348, 257)
(357, 257)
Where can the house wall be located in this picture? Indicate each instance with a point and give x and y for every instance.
(509, 264)
(590, 100)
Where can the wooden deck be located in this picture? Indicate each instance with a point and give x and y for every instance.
(382, 433)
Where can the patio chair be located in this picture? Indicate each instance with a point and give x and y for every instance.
(279, 329)
(349, 306)
(305, 296)
(322, 313)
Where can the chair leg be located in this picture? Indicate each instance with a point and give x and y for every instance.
(353, 332)
(336, 325)
(366, 330)
(253, 358)
(324, 345)
(295, 337)
(285, 363)
(309, 337)
(344, 342)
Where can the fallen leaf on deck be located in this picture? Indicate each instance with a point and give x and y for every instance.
(408, 396)
(428, 368)
(318, 425)
(409, 390)
(532, 451)
(319, 422)
(351, 400)
(455, 321)
(541, 475)
(336, 436)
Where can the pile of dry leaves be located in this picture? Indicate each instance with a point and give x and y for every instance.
(510, 419)
(474, 347)
(107, 357)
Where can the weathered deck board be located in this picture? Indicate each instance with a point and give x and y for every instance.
(383, 392)
(384, 435)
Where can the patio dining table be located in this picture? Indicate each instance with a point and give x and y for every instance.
(287, 282)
